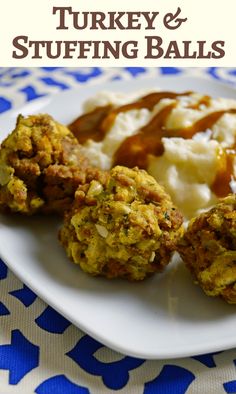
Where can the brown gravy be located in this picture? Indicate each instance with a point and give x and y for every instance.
(204, 100)
(95, 124)
(221, 186)
(134, 150)
(88, 126)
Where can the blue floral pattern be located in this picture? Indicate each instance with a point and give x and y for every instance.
(42, 352)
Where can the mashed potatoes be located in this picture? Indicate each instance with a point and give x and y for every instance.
(195, 157)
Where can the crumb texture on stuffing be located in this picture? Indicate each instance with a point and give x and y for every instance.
(122, 224)
(41, 165)
(209, 249)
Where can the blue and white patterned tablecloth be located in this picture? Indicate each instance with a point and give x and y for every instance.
(40, 351)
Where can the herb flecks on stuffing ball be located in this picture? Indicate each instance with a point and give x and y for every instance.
(209, 249)
(121, 225)
(41, 166)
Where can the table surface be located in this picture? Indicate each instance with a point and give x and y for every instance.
(40, 351)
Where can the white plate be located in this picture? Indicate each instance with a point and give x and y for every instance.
(166, 316)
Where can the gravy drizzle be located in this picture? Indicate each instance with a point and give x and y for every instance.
(95, 124)
(221, 186)
(204, 100)
(134, 150)
(88, 126)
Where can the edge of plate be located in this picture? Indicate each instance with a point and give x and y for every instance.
(45, 296)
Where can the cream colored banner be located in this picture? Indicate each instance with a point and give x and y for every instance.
(118, 33)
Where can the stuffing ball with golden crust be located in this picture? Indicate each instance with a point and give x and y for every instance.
(41, 166)
(209, 249)
(123, 224)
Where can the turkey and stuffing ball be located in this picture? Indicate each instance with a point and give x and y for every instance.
(41, 166)
(209, 249)
(123, 224)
